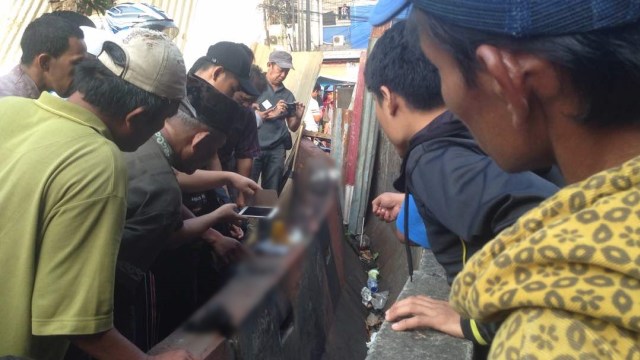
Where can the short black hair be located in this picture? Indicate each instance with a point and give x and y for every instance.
(317, 87)
(603, 65)
(47, 34)
(73, 17)
(258, 78)
(203, 63)
(399, 64)
(110, 94)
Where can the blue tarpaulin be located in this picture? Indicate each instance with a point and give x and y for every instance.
(358, 32)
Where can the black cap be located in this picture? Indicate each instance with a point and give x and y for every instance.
(234, 58)
(213, 108)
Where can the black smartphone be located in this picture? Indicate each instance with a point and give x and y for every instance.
(291, 109)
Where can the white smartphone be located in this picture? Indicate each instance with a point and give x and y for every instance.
(263, 212)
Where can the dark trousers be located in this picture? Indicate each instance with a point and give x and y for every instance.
(270, 164)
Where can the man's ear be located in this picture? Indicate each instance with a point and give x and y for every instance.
(217, 71)
(132, 119)
(509, 76)
(389, 101)
(199, 137)
(43, 61)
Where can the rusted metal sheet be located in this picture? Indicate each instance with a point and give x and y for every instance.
(351, 160)
(368, 140)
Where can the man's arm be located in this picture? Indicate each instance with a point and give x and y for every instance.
(193, 227)
(419, 312)
(203, 180)
(416, 312)
(479, 333)
(244, 169)
(113, 346)
(387, 206)
(469, 194)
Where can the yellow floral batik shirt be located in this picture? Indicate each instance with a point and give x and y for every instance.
(565, 278)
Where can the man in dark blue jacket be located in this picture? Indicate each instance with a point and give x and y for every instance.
(462, 195)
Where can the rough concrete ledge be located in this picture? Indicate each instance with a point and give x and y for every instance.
(421, 344)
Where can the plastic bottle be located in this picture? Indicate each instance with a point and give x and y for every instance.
(372, 281)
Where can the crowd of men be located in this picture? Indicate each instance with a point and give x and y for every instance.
(118, 163)
(124, 163)
(494, 106)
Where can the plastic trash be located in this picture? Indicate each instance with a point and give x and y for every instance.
(372, 284)
(379, 300)
(366, 296)
(372, 339)
(372, 281)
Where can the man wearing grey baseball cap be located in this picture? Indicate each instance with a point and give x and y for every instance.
(64, 182)
(280, 113)
(541, 83)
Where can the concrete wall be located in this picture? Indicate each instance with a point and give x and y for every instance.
(424, 344)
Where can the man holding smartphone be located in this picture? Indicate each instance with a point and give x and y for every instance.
(280, 113)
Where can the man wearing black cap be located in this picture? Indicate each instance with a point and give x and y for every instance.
(541, 83)
(226, 68)
(278, 119)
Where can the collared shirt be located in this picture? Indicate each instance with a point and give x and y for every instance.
(242, 139)
(153, 210)
(274, 132)
(18, 83)
(63, 198)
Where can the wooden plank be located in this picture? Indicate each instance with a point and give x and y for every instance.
(315, 134)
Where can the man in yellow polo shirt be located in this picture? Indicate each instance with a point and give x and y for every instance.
(63, 197)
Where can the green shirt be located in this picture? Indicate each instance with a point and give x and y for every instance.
(63, 207)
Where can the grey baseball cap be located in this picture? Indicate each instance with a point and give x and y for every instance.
(152, 63)
(282, 59)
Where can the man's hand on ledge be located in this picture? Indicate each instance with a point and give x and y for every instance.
(419, 312)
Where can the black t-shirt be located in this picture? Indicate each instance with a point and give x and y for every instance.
(153, 210)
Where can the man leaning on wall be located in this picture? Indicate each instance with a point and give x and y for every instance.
(65, 180)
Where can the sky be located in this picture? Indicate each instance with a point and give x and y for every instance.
(218, 20)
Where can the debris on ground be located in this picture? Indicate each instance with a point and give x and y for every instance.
(379, 300)
(373, 299)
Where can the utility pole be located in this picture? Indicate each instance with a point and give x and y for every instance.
(266, 25)
(300, 25)
(308, 27)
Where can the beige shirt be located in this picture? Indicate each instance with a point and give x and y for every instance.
(18, 83)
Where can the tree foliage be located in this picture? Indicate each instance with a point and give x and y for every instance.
(87, 7)
(283, 12)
